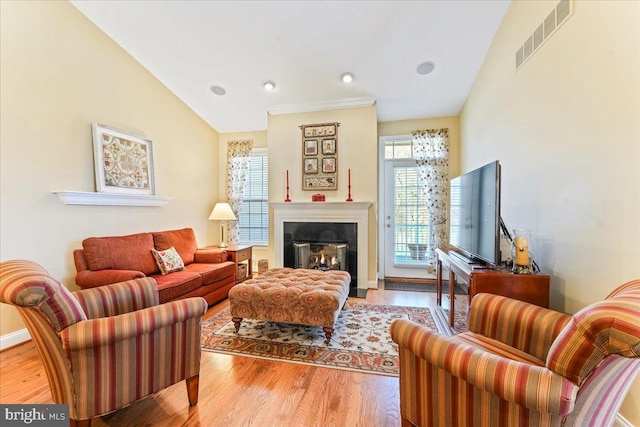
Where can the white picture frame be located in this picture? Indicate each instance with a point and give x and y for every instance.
(123, 162)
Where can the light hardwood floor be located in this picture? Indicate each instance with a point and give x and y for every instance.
(241, 391)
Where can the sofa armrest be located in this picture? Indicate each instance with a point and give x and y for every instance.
(210, 256)
(91, 279)
(118, 298)
(527, 327)
(105, 331)
(536, 387)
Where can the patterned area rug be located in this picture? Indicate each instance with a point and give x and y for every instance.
(360, 342)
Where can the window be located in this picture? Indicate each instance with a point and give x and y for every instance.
(401, 148)
(253, 219)
(411, 217)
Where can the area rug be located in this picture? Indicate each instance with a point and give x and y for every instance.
(361, 341)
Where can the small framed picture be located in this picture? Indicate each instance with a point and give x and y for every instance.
(329, 165)
(329, 146)
(311, 165)
(311, 147)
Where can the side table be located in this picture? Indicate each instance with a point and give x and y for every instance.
(241, 255)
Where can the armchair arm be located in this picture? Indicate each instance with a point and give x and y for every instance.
(531, 386)
(118, 298)
(105, 331)
(91, 279)
(527, 327)
(210, 256)
(120, 359)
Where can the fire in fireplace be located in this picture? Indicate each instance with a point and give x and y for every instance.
(320, 256)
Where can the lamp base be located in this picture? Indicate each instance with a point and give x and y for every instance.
(223, 245)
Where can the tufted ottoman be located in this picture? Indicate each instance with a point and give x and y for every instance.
(287, 295)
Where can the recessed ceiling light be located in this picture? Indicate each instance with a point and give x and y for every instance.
(346, 77)
(425, 67)
(268, 85)
(218, 90)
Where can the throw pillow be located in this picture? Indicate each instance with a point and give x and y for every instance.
(168, 260)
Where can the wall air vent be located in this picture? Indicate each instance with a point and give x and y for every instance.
(558, 16)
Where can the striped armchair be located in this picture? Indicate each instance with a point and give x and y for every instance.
(106, 347)
(520, 364)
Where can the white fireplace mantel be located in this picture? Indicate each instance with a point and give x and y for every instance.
(347, 212)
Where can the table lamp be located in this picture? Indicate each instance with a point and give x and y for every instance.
(222, 212)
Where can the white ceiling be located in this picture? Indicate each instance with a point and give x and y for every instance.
(304, 47)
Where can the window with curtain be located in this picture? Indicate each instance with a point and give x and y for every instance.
(253, 218)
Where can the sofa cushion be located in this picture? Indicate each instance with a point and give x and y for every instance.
(183, 240)
(168, 261)
(132, 252)
(212, 272)
(176, 284)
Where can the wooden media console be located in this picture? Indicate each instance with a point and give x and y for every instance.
(531, 288)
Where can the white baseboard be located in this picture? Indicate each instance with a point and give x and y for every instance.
(14, 338)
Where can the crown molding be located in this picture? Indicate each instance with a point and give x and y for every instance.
(339, 104)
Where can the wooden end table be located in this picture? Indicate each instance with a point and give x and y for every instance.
(241, 254)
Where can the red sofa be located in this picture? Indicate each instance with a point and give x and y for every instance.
(208, 273)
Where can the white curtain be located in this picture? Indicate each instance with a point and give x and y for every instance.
(431, 151)
(238, 159)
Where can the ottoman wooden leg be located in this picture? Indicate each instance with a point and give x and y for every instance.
(327, 332)
(236, 322)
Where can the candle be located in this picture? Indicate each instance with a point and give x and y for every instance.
(349, 176)
(287, 177)
(522, 251)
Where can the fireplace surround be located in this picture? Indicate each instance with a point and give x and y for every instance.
(320, 215)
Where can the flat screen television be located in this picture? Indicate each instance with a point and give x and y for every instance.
(474, 227)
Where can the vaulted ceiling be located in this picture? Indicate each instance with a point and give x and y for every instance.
(304, 47)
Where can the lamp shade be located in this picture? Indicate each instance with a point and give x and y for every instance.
(222, 212)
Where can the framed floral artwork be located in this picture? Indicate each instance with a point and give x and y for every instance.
(123, 162)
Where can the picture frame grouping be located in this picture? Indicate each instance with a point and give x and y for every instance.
(320, 156)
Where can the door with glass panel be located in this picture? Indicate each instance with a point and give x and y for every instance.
(406, 225)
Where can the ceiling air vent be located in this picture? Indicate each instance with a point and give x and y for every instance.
(558, 16)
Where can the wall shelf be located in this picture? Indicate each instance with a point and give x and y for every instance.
(110, 199)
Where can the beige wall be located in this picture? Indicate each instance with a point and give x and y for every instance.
(357, 149)
(59, 74)
(566, 128)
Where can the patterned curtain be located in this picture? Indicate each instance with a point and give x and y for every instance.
(237, 166)
(431, 151)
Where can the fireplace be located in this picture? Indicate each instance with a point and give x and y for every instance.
(325, 223)
(306, 243)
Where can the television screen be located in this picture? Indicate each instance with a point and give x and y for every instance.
(474, 226)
